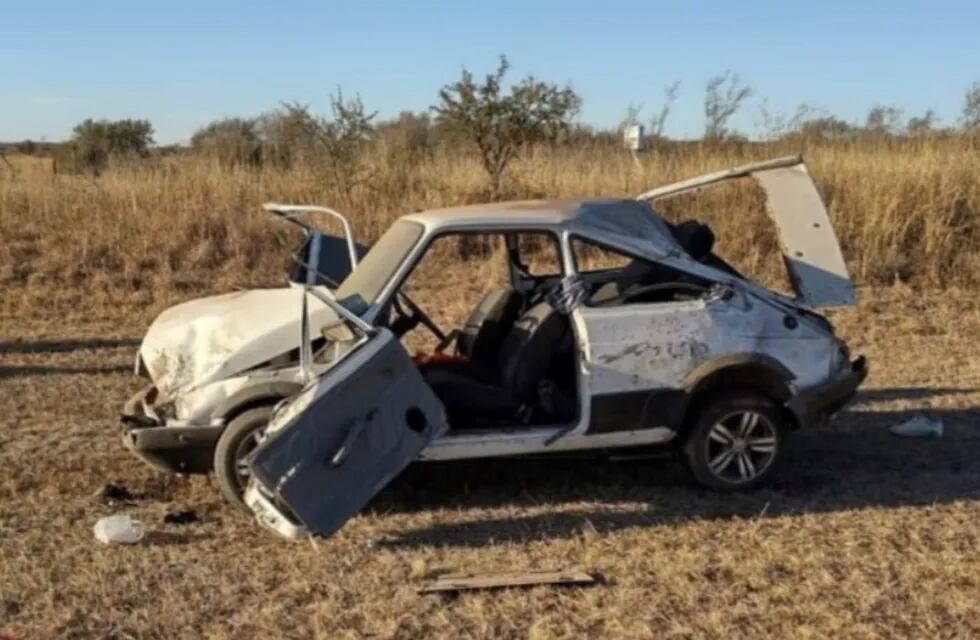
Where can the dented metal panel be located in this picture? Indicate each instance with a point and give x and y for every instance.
(372, 415)
(810, 247)
(645, 346)
(213, 338)
(633, 348)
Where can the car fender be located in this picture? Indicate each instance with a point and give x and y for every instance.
(266, 392)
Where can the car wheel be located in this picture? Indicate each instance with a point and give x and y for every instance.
(737, 441)
(240, 438)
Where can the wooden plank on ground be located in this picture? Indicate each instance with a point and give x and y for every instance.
(502, 579)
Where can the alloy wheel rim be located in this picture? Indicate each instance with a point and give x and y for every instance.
(741, 446)
(245, 447)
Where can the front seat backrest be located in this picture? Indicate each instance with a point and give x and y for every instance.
(529, 349)
(480, 338)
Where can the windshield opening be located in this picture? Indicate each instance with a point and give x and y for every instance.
(363, 286)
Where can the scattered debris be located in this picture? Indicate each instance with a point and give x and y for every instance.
(181, 517)
(117, 495)
(918, 427)
(502, 579)
(118, 530)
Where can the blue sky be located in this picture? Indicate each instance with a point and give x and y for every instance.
(181, 64)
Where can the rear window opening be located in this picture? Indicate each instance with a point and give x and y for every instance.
(745, 237)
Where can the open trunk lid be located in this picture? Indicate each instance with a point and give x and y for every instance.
(810, 248)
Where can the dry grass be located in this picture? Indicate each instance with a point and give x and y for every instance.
(905, 210)
(865, 535)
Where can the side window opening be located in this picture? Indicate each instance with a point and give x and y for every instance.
(460, 272)
(535, 254)
(616, 278)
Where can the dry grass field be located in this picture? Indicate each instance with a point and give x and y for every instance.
(865, 535)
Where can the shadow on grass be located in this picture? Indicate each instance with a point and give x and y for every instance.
(856, 464)
(64, 345)
(20, 371)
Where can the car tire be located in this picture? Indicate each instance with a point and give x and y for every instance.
(737, 440)
(238, 439)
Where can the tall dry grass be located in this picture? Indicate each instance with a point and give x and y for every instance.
(903, 209)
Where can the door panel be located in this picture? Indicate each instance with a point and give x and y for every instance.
(637, 354)
(372, 415)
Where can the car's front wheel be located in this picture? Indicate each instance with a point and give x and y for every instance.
(737, 440)
(240, 438)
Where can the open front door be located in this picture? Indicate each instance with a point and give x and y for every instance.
(810, 248)
(363, 422)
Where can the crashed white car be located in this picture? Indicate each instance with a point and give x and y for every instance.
(670, 348)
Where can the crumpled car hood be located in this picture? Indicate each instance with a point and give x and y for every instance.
(210, 339)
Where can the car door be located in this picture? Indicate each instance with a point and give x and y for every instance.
(359, 425)
(637, 356)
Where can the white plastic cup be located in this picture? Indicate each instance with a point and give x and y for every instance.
(118, 530)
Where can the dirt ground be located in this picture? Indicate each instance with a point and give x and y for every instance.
(865, 534)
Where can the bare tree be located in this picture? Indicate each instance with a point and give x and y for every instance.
(501, 124)
(723, 96)
(922, 125)
(971, 107)
(777, 124)
(884, 119)
(632, 115)
(657, 123)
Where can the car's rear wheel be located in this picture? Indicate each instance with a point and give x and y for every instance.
(737, 440)
(242, 435)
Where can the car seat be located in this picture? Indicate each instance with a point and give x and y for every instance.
(506, 388)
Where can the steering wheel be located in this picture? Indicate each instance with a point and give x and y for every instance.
(416, 316)
(651, 288)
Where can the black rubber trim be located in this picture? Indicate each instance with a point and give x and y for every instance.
(634, 410)
(816, 404)
(174, 449)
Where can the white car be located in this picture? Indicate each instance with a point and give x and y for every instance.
(670, 348)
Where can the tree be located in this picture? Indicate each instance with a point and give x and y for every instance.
(93, 142)
(27, 147)
(658, 121)
(501, 124)
(231, 141)
(883, 120)
(828, 128)
(723, 97)
(341, 141)
(922, 125)
(411, 134)
(779, 124)
(971, 107)
(288, 135)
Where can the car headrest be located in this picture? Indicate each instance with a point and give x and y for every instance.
(695, 237)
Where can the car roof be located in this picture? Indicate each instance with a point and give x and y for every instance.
(625, 219)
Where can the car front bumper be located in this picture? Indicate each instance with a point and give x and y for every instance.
(817, 404)
(171, 445)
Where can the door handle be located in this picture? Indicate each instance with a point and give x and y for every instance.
(343, 451)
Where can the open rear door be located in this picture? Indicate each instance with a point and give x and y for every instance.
(810, 248)
(369, 417)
